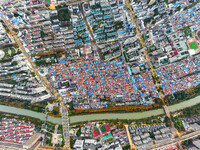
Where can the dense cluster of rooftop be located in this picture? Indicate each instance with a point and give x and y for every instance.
(17, 80)
(97, 57)
(141, 135)
(109, 19)
(179, 76)
(4, 39)
(12, 130)
(87, 77)
(101, 137)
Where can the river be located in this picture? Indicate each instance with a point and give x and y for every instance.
(102, 116)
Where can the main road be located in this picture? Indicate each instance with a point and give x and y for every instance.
(161, 95)
(44, 81)
(94, 43)
(175, 140)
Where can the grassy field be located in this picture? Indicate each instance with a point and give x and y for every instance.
(193, 45)
(47, 1)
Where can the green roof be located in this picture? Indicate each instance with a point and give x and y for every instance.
(108, 136)
(103, 129)
(97, 130)
(162, 60)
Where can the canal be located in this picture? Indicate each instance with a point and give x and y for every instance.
(102, 116)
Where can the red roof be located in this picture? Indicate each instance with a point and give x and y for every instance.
(95, 133)
(107, 129)
(172, 148)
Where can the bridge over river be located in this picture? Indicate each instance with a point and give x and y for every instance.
(101, 116)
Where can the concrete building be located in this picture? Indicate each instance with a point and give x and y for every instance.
(32, 141)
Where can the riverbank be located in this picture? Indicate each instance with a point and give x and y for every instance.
(116, 109)
(27, 105)
(37, 107)
(24, 112)
(181, 96)
(37, 122)
(178, 97)
(102, 116)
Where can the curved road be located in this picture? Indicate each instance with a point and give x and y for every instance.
(102, 116)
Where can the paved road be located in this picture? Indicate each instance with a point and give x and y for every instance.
(35, 146)
(44, 81)
(8, 144)
(175, 140)
(132, 146)
(94, 43)
(161, 95)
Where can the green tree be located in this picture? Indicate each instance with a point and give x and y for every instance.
(55, 110)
